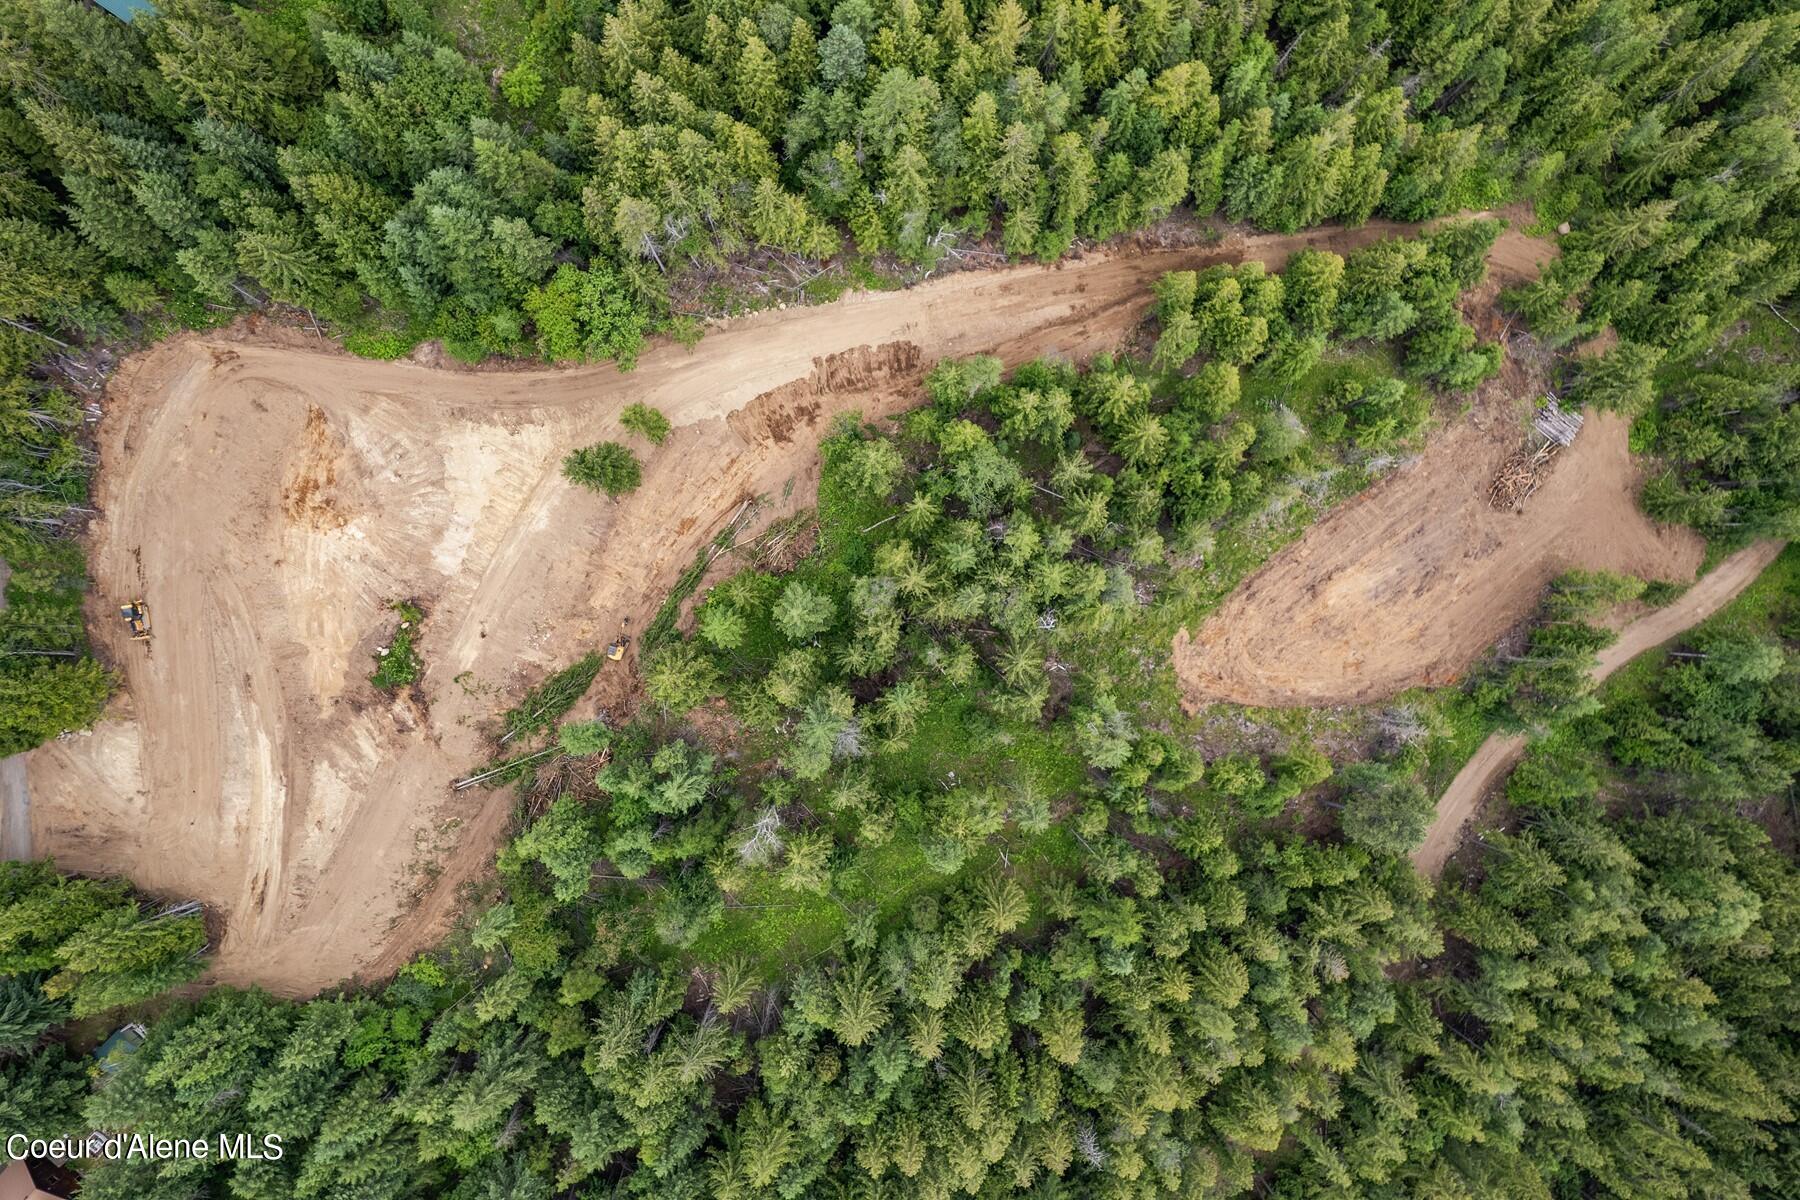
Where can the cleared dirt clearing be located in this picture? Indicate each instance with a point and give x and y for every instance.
(1498, 754)
(1407, 583)
(267, 497)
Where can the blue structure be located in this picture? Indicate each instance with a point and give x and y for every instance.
(124, 1041)
(126, 10)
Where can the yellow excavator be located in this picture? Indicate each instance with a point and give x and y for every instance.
(615, 649)
(137, 616)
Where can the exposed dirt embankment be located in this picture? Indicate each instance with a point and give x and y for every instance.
(1408, 583)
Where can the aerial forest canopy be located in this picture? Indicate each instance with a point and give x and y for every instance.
(1151, 989)
(537, 180)
(531, 181)
(925, 914)
(904, 881)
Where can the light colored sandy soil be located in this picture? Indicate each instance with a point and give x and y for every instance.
(1407, 583)
(1501, 751)
(267, 497)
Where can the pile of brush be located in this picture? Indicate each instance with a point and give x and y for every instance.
(1519, 476)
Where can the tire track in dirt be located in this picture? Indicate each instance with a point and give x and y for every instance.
(1497, 756)
(249, 763)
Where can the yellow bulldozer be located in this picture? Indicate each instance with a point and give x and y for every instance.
(615, 649)
(137, 617)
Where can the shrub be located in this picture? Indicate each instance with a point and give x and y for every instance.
(381, 344)
(544, 705)
(583, 739)
(607, 467)
(647, 421)
(586, 315)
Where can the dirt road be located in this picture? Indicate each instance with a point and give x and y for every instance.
(268, 497)
(1501, 751)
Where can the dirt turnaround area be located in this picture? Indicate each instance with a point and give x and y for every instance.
(268, 497)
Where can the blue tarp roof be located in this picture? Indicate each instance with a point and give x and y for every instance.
(126, 10)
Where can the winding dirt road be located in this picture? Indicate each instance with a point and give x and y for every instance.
(268, 497)
(1497, 756)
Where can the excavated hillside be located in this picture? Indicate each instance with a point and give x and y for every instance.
(268, 497)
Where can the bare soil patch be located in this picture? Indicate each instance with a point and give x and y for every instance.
(268, 495)
(1409, 582)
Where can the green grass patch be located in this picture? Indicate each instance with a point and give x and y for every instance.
(487, 31)
(855, 275)
(399, 665)
(384, 345)
(779, 928)
(956, 738)
(1461, 726)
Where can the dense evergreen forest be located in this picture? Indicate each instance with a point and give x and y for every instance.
(933, 904)
(537, 190)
